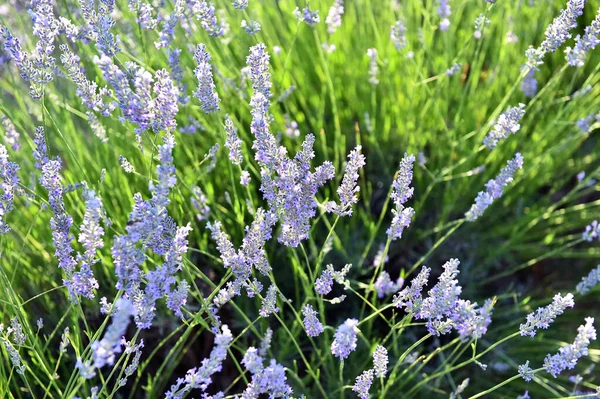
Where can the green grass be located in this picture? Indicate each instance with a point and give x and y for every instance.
(525, 248)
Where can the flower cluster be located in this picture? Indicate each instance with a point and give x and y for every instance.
(373, 67)
(494, 188)
(308, 16)
(543, 317)
(349, 188)
(589, 281)
(402, 192)
(567, 356)
(398, 35)
(345, 339)
(200, 377)
(334, 17)
(507, 123)
(9, 184)
(209, 99)
(312, 325)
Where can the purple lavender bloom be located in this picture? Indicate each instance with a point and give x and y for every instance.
(470, 321)
(402, 192)
(334, 17)
(529, 85)
(398, 35)
(90, 236)
(200, 204)
(16, 329)
(543, 317)
(269, 304)
(385, 286)
(205, 13)
(145, 18)
(410, 297)
(567, 356)
(363, 384)
(268, 380)
(9, 183)
(592, 231)
(585, 124)
(200, 378)
(245, 178)
(324, 283)
(558, 31)
(105, 350)
(443, 11)
(349, 187)
(209, 99)
(373, 67)
(251, 27)
(589, 281)
(526, 372)
(312, 325)
(233, 142)
(307, 16)
(380, 361)
(126, 165)
(165, 102)
(345, 339)
(240, 4)
(494, 188)
(576, 56)
(11, 136)
(507, 123)
(169, 23)
(442, 299)
(453, 70)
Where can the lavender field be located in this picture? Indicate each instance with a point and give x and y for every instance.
(299, 199)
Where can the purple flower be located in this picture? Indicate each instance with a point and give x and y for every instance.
(233, 142)
(589, 41)
(507, 123)
(349, 188)
(9, 183)
(200, 377)
(345, 339)
(410, 297)
(443, 11)
(567, 356)
(165, 102)
(592, 231)
(398, 35)
(307, 16)
(205, 13)
(385, 286)
(363, 384)
(526, 372)
(200, 204)
(402, 192)
(558, 31)
(494, 188)
(589, 281)
(529, 84)
(373, 67)
(11, 136)
(251, 27)
(105, 350)
(380, 361)
(452, 71)
(543, 317)
(209, 99)
(442, 299)
(312, 325)
(334, 17)
(269, 304)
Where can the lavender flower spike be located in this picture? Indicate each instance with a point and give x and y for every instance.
(589, 281)
(312, 325)
(363, 384)
(402, 192)
(334, 17)
(380, 361)
(209, 99)
(567, 356)
(233, 142)
(410, 297)
(558, 31)
(543, 317)
(373, 67)
(507, 123)
(494, 188)
(589, 41)
(345, 339)
(307, 16)
(592, 232)
(348, 189)
(9, 183)
(105, 350)
(398, 35)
